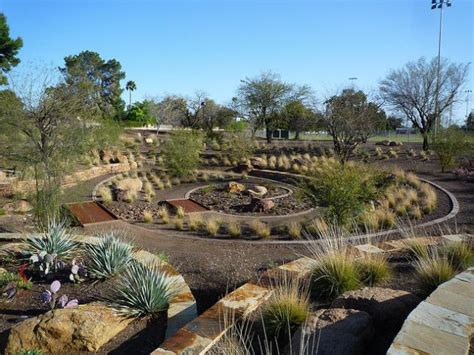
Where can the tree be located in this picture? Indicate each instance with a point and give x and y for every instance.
(88, 73)
(47, 126)
(260, 100)
(298, 117)
(215, 115)
(411, 91)
(393, 122)
(470, 122)
(351, 119)
(130, 86)
(139, 114)
(9, 49)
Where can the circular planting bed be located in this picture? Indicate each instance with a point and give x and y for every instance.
(242, 200)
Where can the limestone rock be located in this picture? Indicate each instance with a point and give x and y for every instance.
(258, 191)
(260, 205)
(20, 206)
(148, 140)
(334, 331)
(388, 308)
(234, 187)
(84, 328)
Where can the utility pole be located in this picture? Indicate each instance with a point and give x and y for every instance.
(439, 4)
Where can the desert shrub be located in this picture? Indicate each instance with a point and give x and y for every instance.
(432, 271)
(147, 216)
(373, 270)
(345, 189)
(212, 226)
(287, 308)
(449, 145)
(234, 229)
(164, 214)
(261, 229)
(459, 255)
(144, 290)
(109, 257)
(239, 147)
(105, 194)
(182, 152)
(294, 230)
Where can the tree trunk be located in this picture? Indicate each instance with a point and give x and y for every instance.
(268, 132)
(425, 141)
(297, 135)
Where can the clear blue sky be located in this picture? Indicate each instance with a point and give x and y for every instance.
(179, 46)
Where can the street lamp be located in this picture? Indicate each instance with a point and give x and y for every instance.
(352, 80)
(468, 94)
(439, 4)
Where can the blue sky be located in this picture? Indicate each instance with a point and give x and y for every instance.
(182, 46)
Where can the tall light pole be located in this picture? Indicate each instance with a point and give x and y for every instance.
(352, 79)
(439, 4)
(468, 98)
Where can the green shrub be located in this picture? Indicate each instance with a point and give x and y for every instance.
(7, 277)
(373, 270)
(239, 147)
(182, 152)
(143, 291)
(449, 145)
(109, 257)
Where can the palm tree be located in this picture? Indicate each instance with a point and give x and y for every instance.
(130, 86)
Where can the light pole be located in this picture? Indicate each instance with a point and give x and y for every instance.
(439, 4)
(468, 98)
(352, 80)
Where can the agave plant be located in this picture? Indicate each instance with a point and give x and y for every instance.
(50, 251)
(109, 257)
(144, 290)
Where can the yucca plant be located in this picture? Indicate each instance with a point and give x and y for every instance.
(109, 257)
(432, 271)
(287, 308)
(372, 269)
(143, 290)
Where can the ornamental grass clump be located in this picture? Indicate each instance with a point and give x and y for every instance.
(180, 212)
(460, 255)
(143, 290)
(147, 216)
(212, 226)
(432, 271)
(294, 230)
(372, 269)
(261, 229)
(109, 257)
(233, 229)
(195, 221)
(164, 214)
(105, 194)
(287, 308)
(178, 224)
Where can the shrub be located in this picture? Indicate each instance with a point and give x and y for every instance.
(109, 257)
(240, 147)
(105, 194)
(286, 310)
(147, 216)
(450, 144)
(212, 226)
(182, 152)
(432, 271)
(144, 290)
(164, 214)
(20, 282)
(294, 230)
(459, 255)
(234, 229)
(373, 270)
(260, 229)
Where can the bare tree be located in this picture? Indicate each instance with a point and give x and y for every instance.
(350, 118)
(47, 126)
(411, 91)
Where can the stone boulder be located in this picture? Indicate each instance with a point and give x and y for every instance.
(259, 205)
(334, 331)
(258, 191)
(234, 187)
(20, 206)
(82, 329)
(388, 308)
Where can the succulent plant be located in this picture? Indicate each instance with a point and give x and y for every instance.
(78, 271)
(51, 297)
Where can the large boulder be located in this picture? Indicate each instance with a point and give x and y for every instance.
(20, 206)
(84, 328)
(259, 205)
(334, 331)
(258, 191)
(234, 187)
(388, 308)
